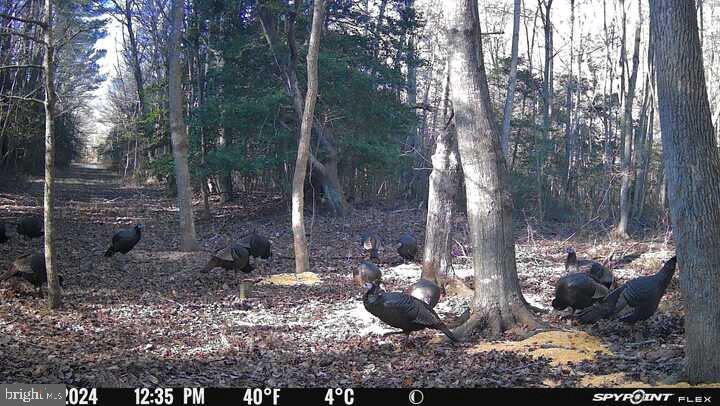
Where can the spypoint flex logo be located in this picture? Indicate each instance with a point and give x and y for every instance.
(634, 398)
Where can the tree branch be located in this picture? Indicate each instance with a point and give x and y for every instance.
(23, 98)
(23, 20)
(28, 66)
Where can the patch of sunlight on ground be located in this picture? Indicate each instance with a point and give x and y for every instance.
(620, 380)
(560, 347)
(551, 383)
(291, 279)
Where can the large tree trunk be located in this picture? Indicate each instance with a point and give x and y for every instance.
(442, 189)
(302, 260)
(627, 126)
(692, 169)
(178, 132)
(512, 79)
(498, 300)
(54, 299)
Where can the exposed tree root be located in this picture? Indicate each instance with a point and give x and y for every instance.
(518, 319)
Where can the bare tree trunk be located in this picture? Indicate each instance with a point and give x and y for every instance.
(570, 83)
(54, 299)
(627, 125)
(692, 169)
(507, 111)
(641, 148)
(178, 131)
(608, 116)
(302, 260)
(547, 104)
(498, 300)
(442, 189)
(127, 11)
(225, 140)
(641, 182)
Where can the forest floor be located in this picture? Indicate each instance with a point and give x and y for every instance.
(153, 319)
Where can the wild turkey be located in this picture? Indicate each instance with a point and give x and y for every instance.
(124, 240)
(257, 245)
(30, 227)
(370, 242)
(235, 258)
(595, 269)
(3, 237)
(636, 300)
(578, 291)
(425, 290)
(402, 311)
(366, 272)
(30, 267)
(407, 247)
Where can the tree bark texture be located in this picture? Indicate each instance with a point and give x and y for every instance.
(692, 171)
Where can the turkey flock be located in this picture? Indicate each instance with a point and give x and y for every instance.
(588, 288)
(591, 288)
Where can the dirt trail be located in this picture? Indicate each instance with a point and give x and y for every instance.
(157, 321)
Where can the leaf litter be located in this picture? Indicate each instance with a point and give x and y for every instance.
(152, 319)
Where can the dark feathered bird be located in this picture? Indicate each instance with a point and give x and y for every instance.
(636, 300)
(3, 236)
(124, 240)
(578, 291)
(407, 247)
(366, 272)
(30, 227)
(595, 269)
(370, 242)
(235, 258)
(257, 245)
(425, 290)
(30, 267)
(402, 311)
